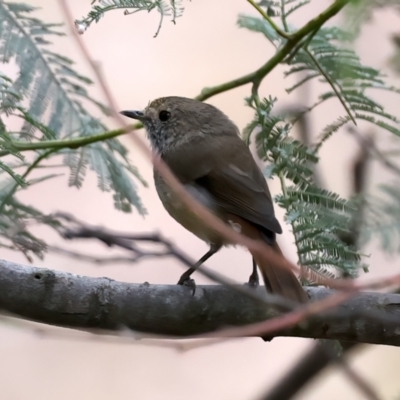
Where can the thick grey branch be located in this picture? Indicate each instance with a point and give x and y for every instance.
(73, 301)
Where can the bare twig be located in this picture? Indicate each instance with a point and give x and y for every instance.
(313, 362)
(122, 336)
(127, 242)
(292, 45)
(362, 384)
(321, 355)
(104, 260)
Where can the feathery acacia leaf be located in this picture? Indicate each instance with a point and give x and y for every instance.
(317, 216)
(327, 58)
(46, 94)
(173, 8)
(256, 24)
(48, 98)
(382, 218)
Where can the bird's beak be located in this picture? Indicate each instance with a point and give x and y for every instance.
(135, 115)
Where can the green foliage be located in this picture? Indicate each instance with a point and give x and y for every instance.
(325, 55)
(382, 217)
(318, 217)
(17, 178)
(321, 220)
(360, 12)
(327, 59)
(256, 24)
(99, 7)
(15, 221)
(49, 98)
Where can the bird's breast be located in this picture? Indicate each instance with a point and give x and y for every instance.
(186, 217)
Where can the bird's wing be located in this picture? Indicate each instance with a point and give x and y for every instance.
(235, 182)
(240, 194)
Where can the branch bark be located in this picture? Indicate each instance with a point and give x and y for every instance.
(73, 301)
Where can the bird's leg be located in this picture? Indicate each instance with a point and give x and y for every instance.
(185, 277)
(254, 281)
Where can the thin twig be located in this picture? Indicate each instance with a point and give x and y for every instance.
(126, 241)
(283, 16)
(315, 360)
(70, 143)
(278, 30)
(331, 83)
(118, 239)
(38, 160)
(364, 386)
(121, 337)
(257, 76)
(105, 260)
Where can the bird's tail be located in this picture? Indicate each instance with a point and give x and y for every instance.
(279, 280)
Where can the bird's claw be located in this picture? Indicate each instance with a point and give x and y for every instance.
(190, 283)
(254, 282)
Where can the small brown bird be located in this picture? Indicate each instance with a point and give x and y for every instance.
(202, 147)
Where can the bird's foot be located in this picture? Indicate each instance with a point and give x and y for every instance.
(188, 282)
(254, 281)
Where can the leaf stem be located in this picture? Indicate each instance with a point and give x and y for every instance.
(331, 83)
(71, 143)
(257, 76)
(283, 16)
(283, 185)
(278, 30)
(8, 196)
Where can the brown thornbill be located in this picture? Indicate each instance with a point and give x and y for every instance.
(202, 147)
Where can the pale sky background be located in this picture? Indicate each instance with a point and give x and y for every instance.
(204, 48)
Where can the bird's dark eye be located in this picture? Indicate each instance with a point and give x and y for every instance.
(164, 115)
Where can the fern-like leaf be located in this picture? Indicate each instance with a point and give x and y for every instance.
(173, 8)
(327, 58)
(49, 97)
(318, 217)
(382, 218)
